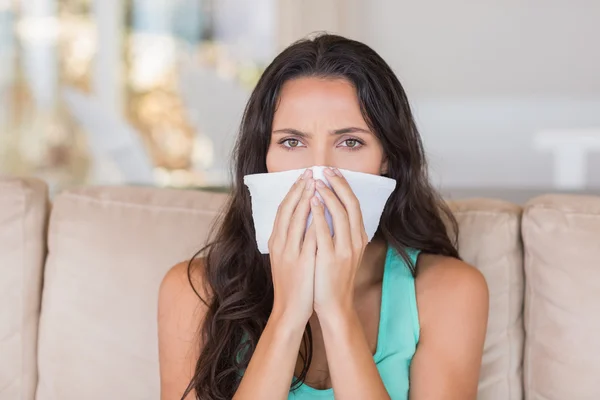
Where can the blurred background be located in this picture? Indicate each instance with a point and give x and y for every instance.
(506, 93)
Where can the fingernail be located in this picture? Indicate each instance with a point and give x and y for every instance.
(306, 173)
(329, 171)
(320, 183)
(314, 201)
(337, 172)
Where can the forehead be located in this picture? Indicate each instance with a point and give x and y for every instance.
(305, 99)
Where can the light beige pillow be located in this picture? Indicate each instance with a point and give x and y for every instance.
(23, 217)
(109, 248)
(489, 239)
(561, 234)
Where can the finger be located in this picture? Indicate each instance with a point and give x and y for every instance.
(341, 225)
(347, 197)
(298, 222)
(286, 209)
(323, 235)
(296, 188)
(309, 244)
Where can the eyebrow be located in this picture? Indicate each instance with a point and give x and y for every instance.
(351, 129)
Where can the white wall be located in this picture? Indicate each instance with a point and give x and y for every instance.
(484, 76)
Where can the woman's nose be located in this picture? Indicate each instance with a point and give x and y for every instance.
(322, 158)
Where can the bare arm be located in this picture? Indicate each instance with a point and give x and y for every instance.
(353, 372)
(453, 309)
(271, 368)
(179, 317)
(180, 313)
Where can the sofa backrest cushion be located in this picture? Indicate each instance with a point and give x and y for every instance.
(23, 219)
(109, 248)
(489, 239)
(561, 236)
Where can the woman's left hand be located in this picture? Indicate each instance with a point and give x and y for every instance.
(338, 257)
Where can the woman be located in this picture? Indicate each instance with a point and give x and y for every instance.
(399, 317)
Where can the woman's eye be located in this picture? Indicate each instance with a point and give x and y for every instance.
(351, 143)
(292, 142)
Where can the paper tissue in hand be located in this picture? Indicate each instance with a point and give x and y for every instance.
(268, 190)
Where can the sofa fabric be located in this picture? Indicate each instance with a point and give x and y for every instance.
(561, 235)
(24, 210)
(109, 249)
(489, 239)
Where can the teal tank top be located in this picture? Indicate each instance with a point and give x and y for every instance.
(398, 331)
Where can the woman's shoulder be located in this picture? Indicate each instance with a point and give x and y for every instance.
(181, 307)
(436, 270)
(446, 286)
(183, 282)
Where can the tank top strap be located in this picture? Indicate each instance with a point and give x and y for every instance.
(399, 302)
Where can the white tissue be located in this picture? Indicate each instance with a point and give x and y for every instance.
(268, 190)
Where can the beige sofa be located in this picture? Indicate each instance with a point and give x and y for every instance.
(79, 281)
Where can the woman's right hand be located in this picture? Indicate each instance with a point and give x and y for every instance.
(292, 255)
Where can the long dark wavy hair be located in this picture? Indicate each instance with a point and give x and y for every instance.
(236, 276)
